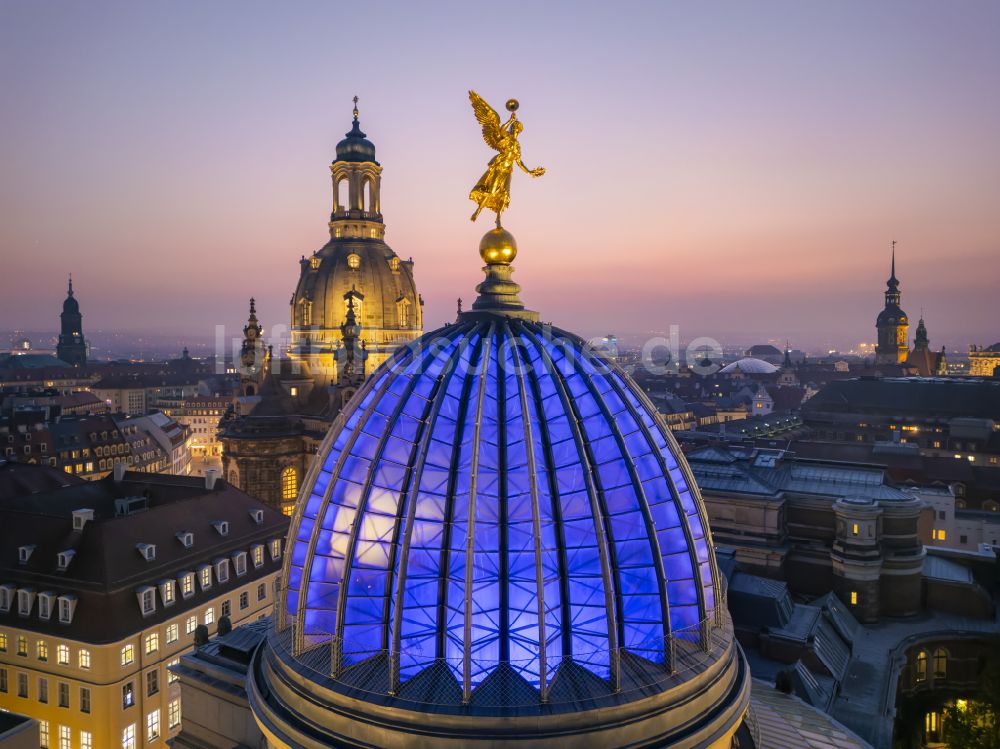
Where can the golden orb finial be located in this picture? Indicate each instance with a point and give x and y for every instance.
(512, 105)
(498, 247)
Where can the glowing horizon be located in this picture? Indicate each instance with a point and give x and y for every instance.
(737, 170)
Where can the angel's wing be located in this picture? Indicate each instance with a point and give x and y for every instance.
(489, 119)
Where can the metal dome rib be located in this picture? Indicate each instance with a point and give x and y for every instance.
(498, 495)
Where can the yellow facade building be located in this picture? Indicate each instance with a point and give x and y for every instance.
(104, 585)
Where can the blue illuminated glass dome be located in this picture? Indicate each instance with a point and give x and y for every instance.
(500, 539)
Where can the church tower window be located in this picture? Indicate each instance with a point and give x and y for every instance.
(353, 261)
(289, 483)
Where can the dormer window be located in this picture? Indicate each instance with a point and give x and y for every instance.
(222, 526)
(275, 549)
(46, 601)
(205, 576)
(25, 601)
(394, 263)
(222, 570)
(187, 585)
(240, 563)
(258, 555)
(146, 596)
(148, 551)
(6, 597)
(64, 558)
(168, 592)
(24, 553)
(257, 516)
(186, 538)
(67, 606)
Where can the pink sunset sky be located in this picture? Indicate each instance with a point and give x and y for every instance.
(738, 169)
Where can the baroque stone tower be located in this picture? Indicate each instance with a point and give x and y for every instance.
(72, 348)
(356, 259)
(892, 324)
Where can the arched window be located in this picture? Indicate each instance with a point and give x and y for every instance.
(403, 312)
(289, 483)
(940, 663)
(922, 666)
(366, 196)
(343, 195)
(353, 261)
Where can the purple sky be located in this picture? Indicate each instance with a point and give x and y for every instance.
(738, 169)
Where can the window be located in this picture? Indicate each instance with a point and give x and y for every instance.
(45, 605)
(62, 656)
(86, 740)
(227, 609)
(128, 655)
(22, 685)
(128, 696)
(261, 591)
(922, 666)
(3, 642)
(6, 597)
(940, 663)
(222, 570)
(3, 680)
(854, 529)
(289, 483)
(187, 585)
(258, 555)
(210, 615)
(963, 539)
(240, 562)
(83, 659)
(84, 700)
(63, 694)
(173, 633)
(128, 737)
(43, 734)
(174, 713)
(152, 682)
(153, 726)
(205, 577)
(854, 598)
(43, 690)
(65, 737)
(26, 599)
(152, 643)
(22, 645)
(171, 676)
(353, 261)
(244, 600)
(147, 600)
(167, 592)
(42, 649)
(190, 625)
(275, 549)
(67, 605)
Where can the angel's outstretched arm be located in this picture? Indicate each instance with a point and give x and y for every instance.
(537, 172)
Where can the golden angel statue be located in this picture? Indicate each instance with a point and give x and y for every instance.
(493, 188)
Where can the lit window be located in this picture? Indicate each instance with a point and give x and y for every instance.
(289, 483)
(854, 598)
(940, 663)
(3, 642)
(173, 633)
(205, 575)
(62, 656)
(191, 624)
(42, 649)
(922, 666)
(65, 737)
(174, 713)
(152, 643)
(187, 585)
(171, 676)
(84, 659)
(22, 645)
(210, 615)
(167, 592)
(128, 737)
(354, 261)
(153, 726)
(258, 555)
(43, 732)
(276, 549)
(128, 655)
(854, 529)
(86, 740)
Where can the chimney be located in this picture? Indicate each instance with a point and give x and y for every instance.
(211, 475)
(119, 472)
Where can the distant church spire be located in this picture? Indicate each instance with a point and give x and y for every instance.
(69, 290)
(72, 348)
(892, 324)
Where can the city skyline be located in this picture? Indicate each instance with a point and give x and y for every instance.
(787, 159)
